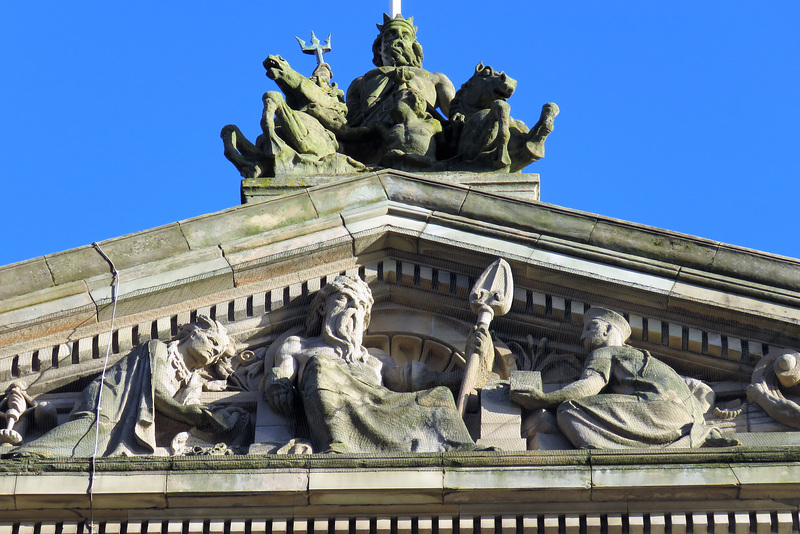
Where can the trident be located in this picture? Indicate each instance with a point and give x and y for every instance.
(490, 296)
(316, 47)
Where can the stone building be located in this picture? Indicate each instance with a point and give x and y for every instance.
(725, 317)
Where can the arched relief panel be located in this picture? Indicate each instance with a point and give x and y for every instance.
(408, 334)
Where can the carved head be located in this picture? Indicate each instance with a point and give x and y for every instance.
(396, 44)
(604, 328)
(204, 343)
(484, 87)
(276, 66)
(341, 311)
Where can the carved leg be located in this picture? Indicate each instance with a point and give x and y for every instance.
(541, 130)
(502, 111)
(249, 160)
(271, 143)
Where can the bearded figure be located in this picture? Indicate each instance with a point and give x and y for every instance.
(357, 399)
(396, 111)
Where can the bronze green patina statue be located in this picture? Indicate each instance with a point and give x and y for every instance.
(484, 135)
(299, 131)
(397, 115)
(398, 105)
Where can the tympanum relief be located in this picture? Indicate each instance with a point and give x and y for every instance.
(332, 386)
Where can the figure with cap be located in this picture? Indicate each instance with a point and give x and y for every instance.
(624, 398)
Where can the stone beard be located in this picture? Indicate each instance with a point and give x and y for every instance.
(348, 393)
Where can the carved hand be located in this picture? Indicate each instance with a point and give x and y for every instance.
(216, 421)
(279, 393)
(530, 399)
(480, 342)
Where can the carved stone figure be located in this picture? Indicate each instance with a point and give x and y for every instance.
(624, 398)
(775, 386)
(357, 399)
(153, 378)
(485, 135)
(395, 116)
(392, 109)
(23, 413)
(299, 130)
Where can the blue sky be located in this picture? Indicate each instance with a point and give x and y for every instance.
(681, 115)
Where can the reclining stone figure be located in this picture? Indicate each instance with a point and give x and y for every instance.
(155, 377)
(357, 399)
(625, 397)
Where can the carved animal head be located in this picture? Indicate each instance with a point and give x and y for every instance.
(481, 90)
(277, 67)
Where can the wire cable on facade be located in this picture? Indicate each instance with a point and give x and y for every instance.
(114, 297)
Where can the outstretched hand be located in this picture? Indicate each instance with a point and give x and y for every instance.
(530, 399)
(216, 419)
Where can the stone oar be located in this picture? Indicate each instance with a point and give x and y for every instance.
(491, 296)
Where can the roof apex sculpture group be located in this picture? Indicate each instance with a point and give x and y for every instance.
(397, 115)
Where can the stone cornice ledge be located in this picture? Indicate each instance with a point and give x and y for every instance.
(405, 479)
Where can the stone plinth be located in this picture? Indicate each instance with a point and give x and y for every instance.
(514, 185)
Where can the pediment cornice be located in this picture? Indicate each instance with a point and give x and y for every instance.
(253, 262)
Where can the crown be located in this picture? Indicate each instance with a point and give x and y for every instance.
(388, 22)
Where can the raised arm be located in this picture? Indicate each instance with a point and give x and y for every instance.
(444, 92)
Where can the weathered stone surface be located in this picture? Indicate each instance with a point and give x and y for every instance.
(130, 490)
(646, 403)
(66, 307)
(347, 195)
(757, 266)
(24, 277)
(541, 218)
(416, 486)
(394, 116)
(348, 393)
(513, 484)
(663, 483)
(250, 219)
(385, 226)
(145, 247)
(287, 482)
(63, 490)
(153, 377)
(439, 195)
(77, 264)
(768, 481)
(649, 242)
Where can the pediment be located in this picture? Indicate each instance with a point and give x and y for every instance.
(709, 310)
